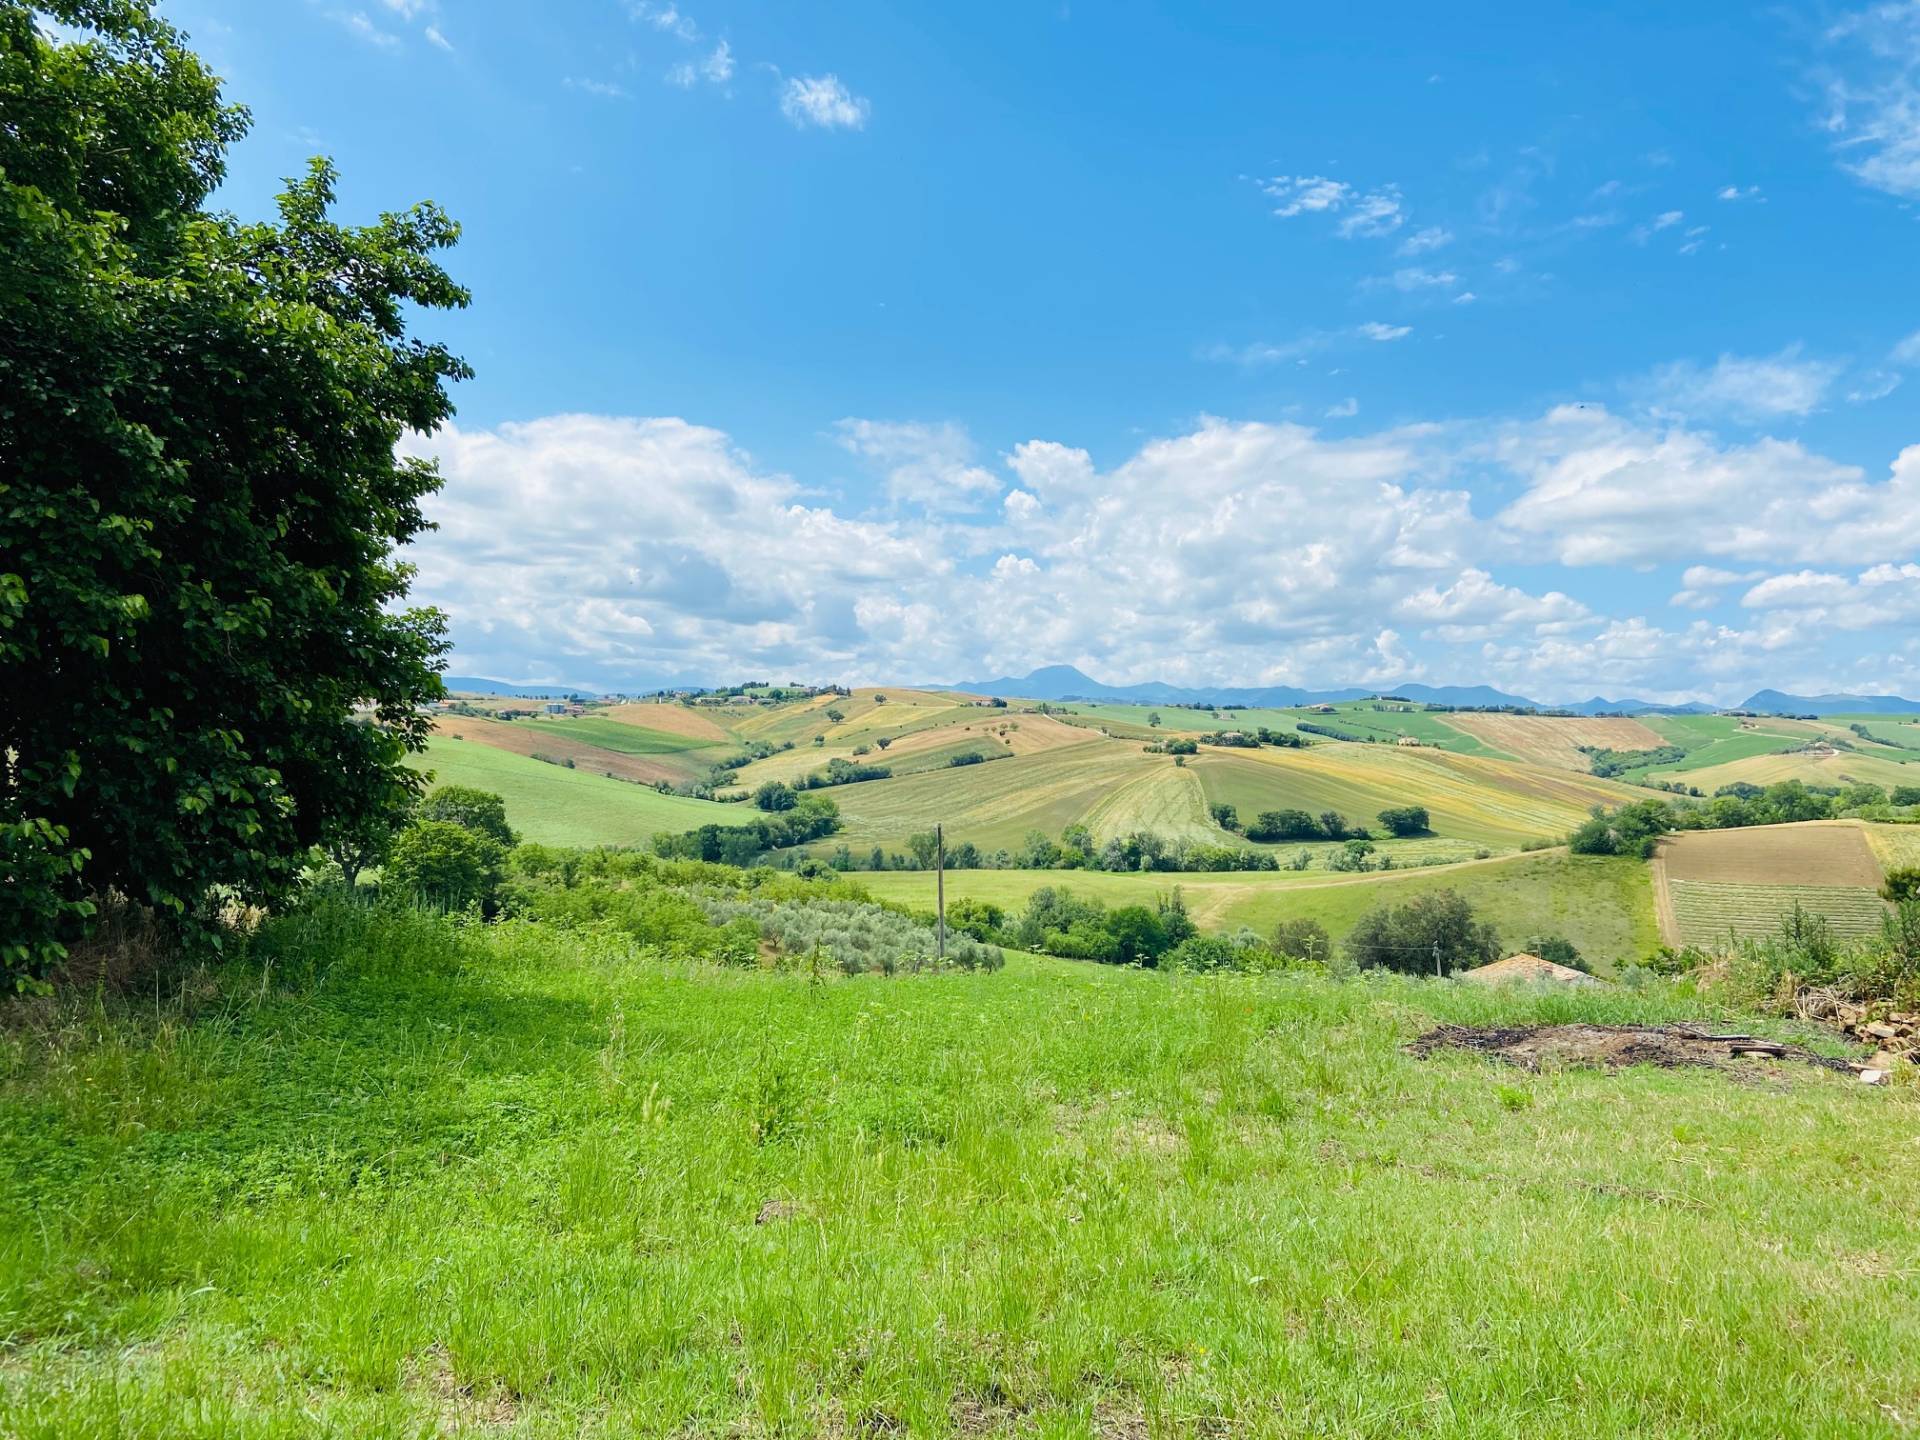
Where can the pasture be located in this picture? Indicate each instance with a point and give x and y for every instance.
(1713, 884)
(415, 1179)
(553, 805)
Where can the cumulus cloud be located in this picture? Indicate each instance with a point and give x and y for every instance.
(822, 102)
(1359, 213)
(622, 551)
(926, 465)
(1602, 490)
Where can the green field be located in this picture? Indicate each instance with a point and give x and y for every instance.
(412, 1180)
(619, 736)
(1604, 905)
(553, 805)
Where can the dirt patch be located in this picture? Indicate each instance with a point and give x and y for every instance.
(1812, 853)
(1533, 1047)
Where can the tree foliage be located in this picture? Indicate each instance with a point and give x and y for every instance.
(1436, 933)
(200, 502)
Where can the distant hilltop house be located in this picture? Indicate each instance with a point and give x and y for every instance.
(1322, 709)
(1525, 969)
(555, 707)
(1408, 740)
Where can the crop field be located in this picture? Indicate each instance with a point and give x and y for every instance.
(1555, 740)
(519, 739)
(557, 806)
(1603, 904)
(1164, 798)
(1708, 915)
(1901, 734)
(1896, 847)
(1133, 720)
(1386, 721)
(1713, 884)
(1472, 799)
(1819, 767)
(683, 720)
(621, 736)
(1711, 740)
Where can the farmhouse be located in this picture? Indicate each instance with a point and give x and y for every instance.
(1524, 968)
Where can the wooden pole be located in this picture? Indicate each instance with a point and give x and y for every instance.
(940, 888)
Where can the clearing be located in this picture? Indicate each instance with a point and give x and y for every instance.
(1710, 885)
(500, 1181)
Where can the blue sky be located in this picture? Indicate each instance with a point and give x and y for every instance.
(1567, 349)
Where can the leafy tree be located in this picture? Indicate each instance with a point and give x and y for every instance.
(979, 918)
(775, 795)
(1302, 940)
(445, 864)
(1182, 747)
(1901, 885)
(883, 741)
(836, 716)
(1271, 825)
(1153, 719)
(1140, 937)
(1436, 931)
(200, 500)
(478, 810)
(1560, 950)
(1333, 824)
(1406, 820)
(925, 846)
(1225, 816)
(1904, 795)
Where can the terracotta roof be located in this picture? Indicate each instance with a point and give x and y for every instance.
(1525, 967)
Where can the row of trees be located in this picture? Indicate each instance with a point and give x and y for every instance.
(1636, 829)
(1271, 826)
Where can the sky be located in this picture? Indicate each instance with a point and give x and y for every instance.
(1566, 348)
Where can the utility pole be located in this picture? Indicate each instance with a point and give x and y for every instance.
(1436, 959)
(940, 888)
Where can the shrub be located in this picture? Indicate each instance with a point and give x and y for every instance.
(1303, 940)
(1901, 885)
(1272, 825)
(854, 936)
(1406, 820)
(775, 796)
(446, 864)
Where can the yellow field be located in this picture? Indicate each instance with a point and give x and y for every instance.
(1555, 740)
(522, 740)
(673, 719)
(1497, 803)
(1897, 847)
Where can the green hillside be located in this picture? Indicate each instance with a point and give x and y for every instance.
(553, 805)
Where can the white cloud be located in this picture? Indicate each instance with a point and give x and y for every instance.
(823, 102)
(1907, 352)
(1883, 595)
(927, 465)
(1465, 297)
(666, 18)
(1735, 192)
(1477, 607)
(358, 25)
(1413, 278)
(1600, 490)
(436, 39)
(718, 66)
(1740, 386)
(1345, 410)
(1873, 385)
(600, 89)
(1376, 330)
(1432, 237)
(681, 75)
(1873, 96)
(1368, 213)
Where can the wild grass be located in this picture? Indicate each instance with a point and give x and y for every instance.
(397, 1177)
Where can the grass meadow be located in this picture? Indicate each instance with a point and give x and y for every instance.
(391, 1176)
(553, 805)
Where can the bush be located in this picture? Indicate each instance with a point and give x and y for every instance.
(1273, 825)
(1406, 820)
(1901, 885)
(446, 864)
(775, 796)
(854, 936)
(1431, 934)
(1904, 795)
(1303, 940)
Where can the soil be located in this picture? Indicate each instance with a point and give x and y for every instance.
(1533, 1047)
(1815, 853)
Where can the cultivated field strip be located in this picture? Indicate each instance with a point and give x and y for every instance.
(1707, 914)
(1556, 740)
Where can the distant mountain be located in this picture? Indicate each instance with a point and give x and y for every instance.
(1064, 682)
(479, 685)
(1774, 702)
(1600, 706)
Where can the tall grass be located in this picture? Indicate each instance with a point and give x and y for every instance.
(394, 1175)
